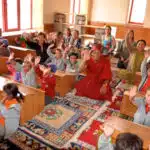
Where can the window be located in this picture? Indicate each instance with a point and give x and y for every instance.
(17, 14)
(74, 9)
(137, 11)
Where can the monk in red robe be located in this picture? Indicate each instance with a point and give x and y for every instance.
(96, 84)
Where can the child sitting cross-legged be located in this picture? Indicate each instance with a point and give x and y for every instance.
(124, 141)
(72, 64)
(23, 72)
(10, 110)
(142, 115)
(48, 80)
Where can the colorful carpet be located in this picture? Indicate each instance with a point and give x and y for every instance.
(89, 137)
(35, 134)
(92, 103)
(56, 117)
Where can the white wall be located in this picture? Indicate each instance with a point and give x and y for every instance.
(37, 14)
(115, 11)
(147, 15)
(52, 6)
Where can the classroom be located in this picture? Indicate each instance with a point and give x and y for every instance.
(74, 74)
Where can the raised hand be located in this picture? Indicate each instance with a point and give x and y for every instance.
(86, 55)
(28, 58)
(12, 54)
(108, 129)
(37, 60)
(133, 91)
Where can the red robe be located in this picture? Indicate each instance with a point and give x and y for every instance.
(48, 83)
(146, 85)
(97, 73)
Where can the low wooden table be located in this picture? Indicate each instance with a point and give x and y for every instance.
(21, 52)
(122, 125)
(127, 107)
(3, 67)
(64, 82)
(33, 100)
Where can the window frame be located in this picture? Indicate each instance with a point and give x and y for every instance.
(5, 20)
(73, 10)
(130, 14)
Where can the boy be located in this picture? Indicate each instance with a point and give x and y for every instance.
(142, 115)
(48, 79)
(124, 141)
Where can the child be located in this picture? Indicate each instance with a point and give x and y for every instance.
(24, 72)
(108, 41)
(48, 80)
(14, 67)
(10, 110)
(124, 141)
(72, 65)
(75, 41)
(142, 115)
(56, 59)
(67, 37)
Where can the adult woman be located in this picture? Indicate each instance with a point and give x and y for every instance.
(124, 52)
(40, 46)
(135, 60)
(96, 84)
(108, 41)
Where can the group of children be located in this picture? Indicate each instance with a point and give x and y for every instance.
(62, 52)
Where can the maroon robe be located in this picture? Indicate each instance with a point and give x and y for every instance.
(97, 73)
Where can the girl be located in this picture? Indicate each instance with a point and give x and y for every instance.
(10, 110)
(108, 41)
(48, 80)
(96, 84)
(25, 73)
(14, 67)
(124, 52)
(67, 37)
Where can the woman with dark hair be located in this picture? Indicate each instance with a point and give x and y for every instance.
(10, 110)
(124, 52)
(40, 46)
(108, 41)
(135, 60)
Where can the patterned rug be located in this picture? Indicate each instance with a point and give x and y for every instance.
(56, 117)
(89, 137)
(35, 134)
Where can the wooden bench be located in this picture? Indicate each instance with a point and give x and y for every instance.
(127, 107)
(3, 67)
(122, 126)
(64, 82)
(33, 100)
(21, 52)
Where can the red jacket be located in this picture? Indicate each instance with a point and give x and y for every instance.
(48, 83)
